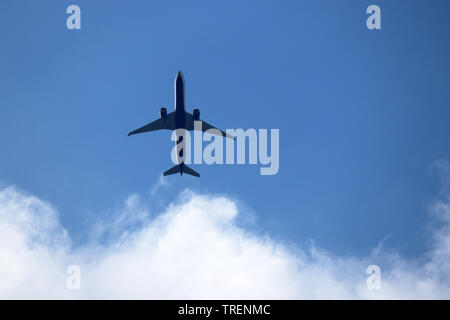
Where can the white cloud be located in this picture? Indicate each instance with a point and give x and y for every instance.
(162, 182)
(195, 250)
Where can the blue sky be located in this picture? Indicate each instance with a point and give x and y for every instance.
(363, 115)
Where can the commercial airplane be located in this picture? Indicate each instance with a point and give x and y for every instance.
(178, 119)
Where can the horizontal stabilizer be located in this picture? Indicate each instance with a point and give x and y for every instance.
(181, 168)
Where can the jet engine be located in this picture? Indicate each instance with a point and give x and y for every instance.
(163, 112)
(196, 114)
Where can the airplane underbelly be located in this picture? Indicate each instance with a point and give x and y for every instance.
(180, 121)
(181, 144)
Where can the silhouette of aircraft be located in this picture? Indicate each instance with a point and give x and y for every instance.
(178, 119)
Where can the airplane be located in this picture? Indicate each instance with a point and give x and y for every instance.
(178, 119)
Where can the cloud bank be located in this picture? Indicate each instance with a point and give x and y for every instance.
(196, 250)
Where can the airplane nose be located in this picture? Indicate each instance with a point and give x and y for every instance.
(179, 79)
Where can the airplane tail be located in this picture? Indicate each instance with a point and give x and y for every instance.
(181, 168)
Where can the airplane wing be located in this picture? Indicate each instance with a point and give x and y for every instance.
(168, 122)
(205, 126)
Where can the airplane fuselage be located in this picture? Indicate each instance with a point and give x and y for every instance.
(180, 116)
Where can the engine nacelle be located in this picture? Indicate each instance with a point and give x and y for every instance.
(196, 114)
(163, 112)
